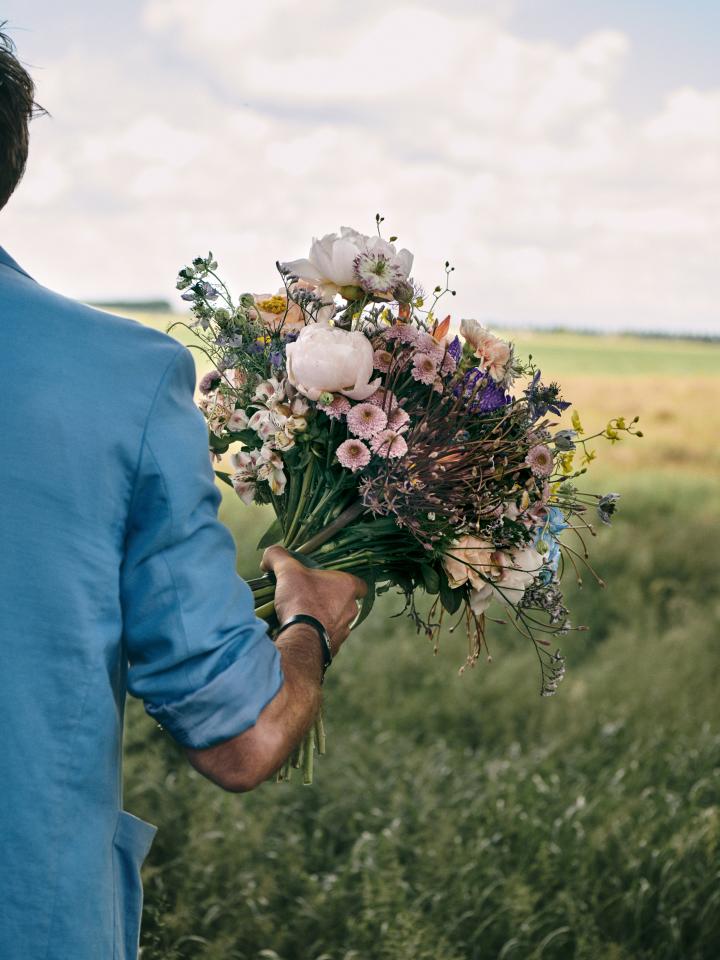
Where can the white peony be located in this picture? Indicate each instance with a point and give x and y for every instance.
(330, 360)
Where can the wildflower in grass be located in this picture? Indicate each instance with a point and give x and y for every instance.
(353, 454)
(366, 419)
(540, 460)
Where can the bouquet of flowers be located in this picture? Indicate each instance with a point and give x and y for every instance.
(394, 448)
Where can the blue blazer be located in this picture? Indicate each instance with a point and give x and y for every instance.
(115, 575)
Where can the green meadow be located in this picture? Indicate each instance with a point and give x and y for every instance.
(464, 817)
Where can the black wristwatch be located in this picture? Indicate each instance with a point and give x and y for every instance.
(321, 632)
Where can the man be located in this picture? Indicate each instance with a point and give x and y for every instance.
(116, 575)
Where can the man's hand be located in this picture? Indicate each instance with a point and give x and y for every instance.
(245, 761)
(329, 596)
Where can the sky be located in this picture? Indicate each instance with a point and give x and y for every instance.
(564, 156)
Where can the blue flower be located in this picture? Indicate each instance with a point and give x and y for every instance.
(556, 521)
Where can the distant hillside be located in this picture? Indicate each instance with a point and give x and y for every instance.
(134, 306)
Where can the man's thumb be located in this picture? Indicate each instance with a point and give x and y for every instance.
(274, 558)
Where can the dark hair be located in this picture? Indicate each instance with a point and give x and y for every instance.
(17, 107)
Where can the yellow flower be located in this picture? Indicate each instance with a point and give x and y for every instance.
(576, 422)
(588, 457)
(611, 433)
(566, 462)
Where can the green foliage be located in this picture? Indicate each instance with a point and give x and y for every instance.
(466, 818)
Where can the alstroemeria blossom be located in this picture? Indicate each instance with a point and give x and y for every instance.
(330, 360)
(493, 354)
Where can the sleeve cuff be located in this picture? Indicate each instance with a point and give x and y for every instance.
(229, 704)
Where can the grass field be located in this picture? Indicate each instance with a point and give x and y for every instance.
(464, 817)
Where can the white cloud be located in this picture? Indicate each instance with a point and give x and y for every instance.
(280, 120)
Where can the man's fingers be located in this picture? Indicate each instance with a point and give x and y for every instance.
(274, 558)
(361, 588)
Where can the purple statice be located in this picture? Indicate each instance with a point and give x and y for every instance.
(481, 391)
(455, 349)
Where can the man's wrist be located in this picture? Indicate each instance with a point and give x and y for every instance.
(301, 641)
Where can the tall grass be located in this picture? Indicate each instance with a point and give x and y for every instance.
(465, 818)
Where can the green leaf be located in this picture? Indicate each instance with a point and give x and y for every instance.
(450, 599)
(368, 600)
(225, 477)
(273, 534)
(430, 578)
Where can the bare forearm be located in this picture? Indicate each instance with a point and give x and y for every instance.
(245, 761)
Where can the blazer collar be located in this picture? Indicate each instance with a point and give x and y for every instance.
(8, 261)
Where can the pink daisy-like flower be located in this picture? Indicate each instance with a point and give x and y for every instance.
(382, 360)
(402, 332)
(383, 398)
(540, 460)
(424, 368)
(398, 420)
(336, 410)
(448, 365)
(353, 454)
(428, 344)
(389, 443)
(366, 419)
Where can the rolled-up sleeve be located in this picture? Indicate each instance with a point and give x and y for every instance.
(197, 655)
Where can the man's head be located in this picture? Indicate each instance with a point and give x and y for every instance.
(17, 106)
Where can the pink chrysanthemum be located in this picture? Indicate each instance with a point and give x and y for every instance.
(402, 332)
(383, 398)
(389, 443)
(424, 368)
(382, 360)
(429, 345)
(448, 365)
(540, 460)
(353, 454)
(336, 410)
(398, 420)
(365, 420)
